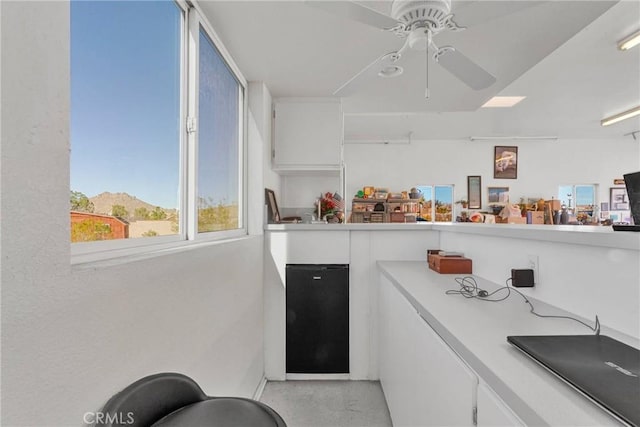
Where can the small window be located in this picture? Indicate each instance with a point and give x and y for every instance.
(578, 199)
(437, 205)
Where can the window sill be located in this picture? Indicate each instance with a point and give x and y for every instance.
(126, 255)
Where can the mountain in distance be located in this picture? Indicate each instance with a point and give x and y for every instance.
(103, 202)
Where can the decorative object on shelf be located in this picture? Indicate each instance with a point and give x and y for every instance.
(415, 193)
(474, 191)
(329, 205)
(381, 193)
(511, 214)
(505, 162)
(477, 217)
(368, 191)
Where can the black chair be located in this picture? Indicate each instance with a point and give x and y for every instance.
(170, 399)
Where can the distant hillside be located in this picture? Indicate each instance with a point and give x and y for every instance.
(103, 202)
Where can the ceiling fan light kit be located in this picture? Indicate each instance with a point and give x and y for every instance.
(391, 71)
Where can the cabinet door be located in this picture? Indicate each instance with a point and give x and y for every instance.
(308, 134)
(492, 411)
(424, 381)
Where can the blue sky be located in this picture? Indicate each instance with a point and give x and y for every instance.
(125, 99)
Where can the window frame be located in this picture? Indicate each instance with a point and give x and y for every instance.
(574, 194)
(197, 21)
(187, 235)
(433, 200)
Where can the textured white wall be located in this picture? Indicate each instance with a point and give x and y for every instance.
(74, 336)
(542, 165)
(260, 101)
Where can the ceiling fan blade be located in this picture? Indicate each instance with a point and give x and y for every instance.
(480, 12)
(356, 12)
(463, 68)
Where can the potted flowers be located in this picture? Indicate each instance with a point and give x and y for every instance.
(463, 202)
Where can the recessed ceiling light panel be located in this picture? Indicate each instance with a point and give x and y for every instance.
(503, 101)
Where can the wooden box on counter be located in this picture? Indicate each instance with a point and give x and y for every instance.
(449, 264)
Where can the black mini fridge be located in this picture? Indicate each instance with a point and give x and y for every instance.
(317, 318)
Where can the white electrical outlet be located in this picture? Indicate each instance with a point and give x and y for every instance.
(533, 264)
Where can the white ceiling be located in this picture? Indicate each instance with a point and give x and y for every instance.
(562, 55)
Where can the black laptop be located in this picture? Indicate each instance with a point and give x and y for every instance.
(632, 182)
(605, 370)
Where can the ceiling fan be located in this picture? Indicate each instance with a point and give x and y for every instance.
(416, 21)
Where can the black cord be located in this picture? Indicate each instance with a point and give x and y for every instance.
(469, 289)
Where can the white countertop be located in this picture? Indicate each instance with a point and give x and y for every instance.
(387, 226)
(571, 234)
(477, 331)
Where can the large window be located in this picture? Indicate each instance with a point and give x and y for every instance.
(143, 168)
(125, 119)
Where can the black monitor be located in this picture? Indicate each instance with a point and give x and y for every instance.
(632, 182)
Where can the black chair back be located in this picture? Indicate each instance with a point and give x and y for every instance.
(149, 399)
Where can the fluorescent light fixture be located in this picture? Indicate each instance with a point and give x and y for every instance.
(621, 116)
(518, 138)
(382, 141)
(503, 101)
(629, 41)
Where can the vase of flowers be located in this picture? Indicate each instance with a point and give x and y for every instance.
(328, 205)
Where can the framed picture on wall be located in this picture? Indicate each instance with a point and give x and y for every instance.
(618, 199)
(505, 165)
(273, 214)
(474, 191)
(498, 195)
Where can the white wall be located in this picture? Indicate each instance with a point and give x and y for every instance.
(74, 336)
(542, 165)
(260, 101)
(585, 280)
(300, 192)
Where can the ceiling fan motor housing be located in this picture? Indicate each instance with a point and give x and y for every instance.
(430, 14)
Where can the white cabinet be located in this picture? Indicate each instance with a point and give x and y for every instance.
(424, 381)
(307, 134)
(492, 411)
